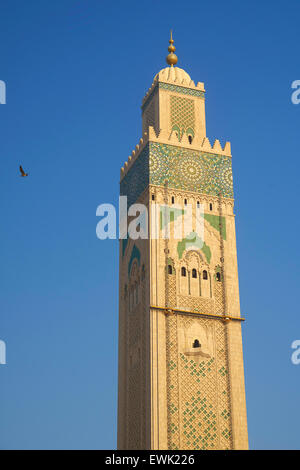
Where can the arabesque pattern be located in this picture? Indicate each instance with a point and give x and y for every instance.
(184, 169)
(203, 420)
(190, 170)
(182, 116)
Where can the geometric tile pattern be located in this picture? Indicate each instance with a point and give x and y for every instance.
(172, 383)
(203, 421)
(184, 169)
(219, 298)
(190, 170)
(180, 89)
(196, 304)
(182, 116)
(134, 407)
(136, 375)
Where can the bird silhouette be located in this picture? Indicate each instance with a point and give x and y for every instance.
(22, 172)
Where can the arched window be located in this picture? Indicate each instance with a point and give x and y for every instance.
(190, 139)
(194, 273)
(170, 270)
(172, 199)
(183, 271)
(210, 207)
(196, 344)
(185, 202)
(204, 275)
(218, 276)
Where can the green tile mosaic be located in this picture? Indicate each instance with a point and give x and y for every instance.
(184, 169)
(202, 415)
(190, 170)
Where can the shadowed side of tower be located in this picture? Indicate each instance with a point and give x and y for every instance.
(181, 375)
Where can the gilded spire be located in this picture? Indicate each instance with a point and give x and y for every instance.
(171, 58)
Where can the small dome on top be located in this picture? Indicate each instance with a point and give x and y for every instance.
(172, 74)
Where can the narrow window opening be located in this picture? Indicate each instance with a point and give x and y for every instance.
(210, 207)
(185, 202)
(183, 271)
(153, 197)
(172, 199)
(204, 274)
(218, 277)
(196, 344)
(170, 270)
(190, 139)
(194, 273)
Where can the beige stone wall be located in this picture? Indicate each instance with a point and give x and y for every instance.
(237, 386)
(134, 406)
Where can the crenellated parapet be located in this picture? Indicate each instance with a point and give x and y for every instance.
(202, 145)
(162, 137)
(196, 171)
(134, 155)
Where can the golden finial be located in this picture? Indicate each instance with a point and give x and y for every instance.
(171, 58)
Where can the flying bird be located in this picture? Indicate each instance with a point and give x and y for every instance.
(22, 172)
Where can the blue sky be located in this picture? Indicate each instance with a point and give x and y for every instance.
(76, 72)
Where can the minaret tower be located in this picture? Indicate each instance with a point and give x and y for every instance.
(181, 374)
